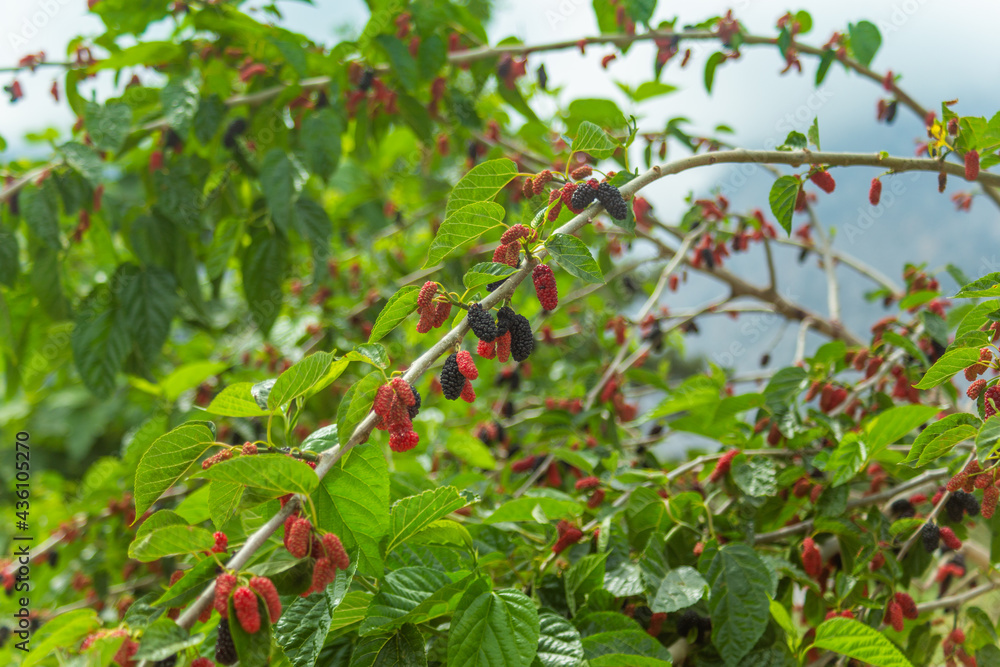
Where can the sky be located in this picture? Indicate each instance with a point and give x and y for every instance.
(749, 95)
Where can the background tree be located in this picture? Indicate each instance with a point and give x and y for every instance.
(417, 339)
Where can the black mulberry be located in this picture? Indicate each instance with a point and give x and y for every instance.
(225, 650)
(169, 661)
(612, 200)
(505, 316)
(954, 507)
(452, 380)
(930, 534)
(903, 509)
(415, 408)
(481, 323)
(522, 340)
(583, 195)
(969, 503)
(235, 129)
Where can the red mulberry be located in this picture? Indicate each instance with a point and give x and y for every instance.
(324, 573)
(300, 538)
(404, 390)
(588, 483)
(221, 543)
(812, 561)
(265, 587)
(949, 539)
(908, 606)
(515, 233)
(451, 378)
(468, 393)
(247, 611)
(823, 180)
(503, 348)
(581, 172)
(596, 498)
(972, 165)
(568, 535)
(441, 313)
(487, 350)
(336, 552)
(249, 449)
(894, 615)
(202, 662)
(545, 286)
(224, 584)
(426, 295)
(975, 389)
(990, 497)
(508, 254)
(383, 401)
(875, 192)
(523, 465)
(991, 399)
(466, 366)
(722, 467)
(403, 440)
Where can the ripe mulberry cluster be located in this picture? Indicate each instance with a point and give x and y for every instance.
(930, 535)
(221, 543)
(324, 574)
(481, 323)
(452, 380)
(335, 551)
(545, 286)
(432, 313)
(396, 404)
(568, 534)
(515, 233)
(247, 611)
(812, 560)
(521, 338)
(612, 201)
(225, 649)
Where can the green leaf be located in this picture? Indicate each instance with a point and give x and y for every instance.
(179, 99)
(84, 160)
(481, 184)
(100, 342)
(593, 140)
(236, 401)
(411, 515)
(939, 438)
(755, 476)
(312, 223)
(987, 286)
(404, 67)
(784, 192)
(149, 302)
(168, 459)
(485, 273)
(645, 513)
(144, 53)
(353, 502)
(10, 263)
(893, 424)
(189, 586)
(986, 440)
(632, 647)
(265, 263)
(573, 255)
(356, 404)
(559, 643)
(471, 450)
(864, 41)
(405, 647)
(63, 630)
(278, 180)
(463, 226)
(526, 508)
(711, 64)
(813, 133)
(680, 589)
(299, 379)
(274, 473)
(493, 628)
(846, 460)
(401, 592)
(397, 308)
(46, 282)
(303, 626)
(585, 576)
(738, 602)
(170, 541)
(41, 215)
(164, 638)
(856, 640)
(211, 112)
(951, 362)
(108, 125)
(370, 353)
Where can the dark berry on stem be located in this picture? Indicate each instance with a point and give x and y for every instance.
(452, 380)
